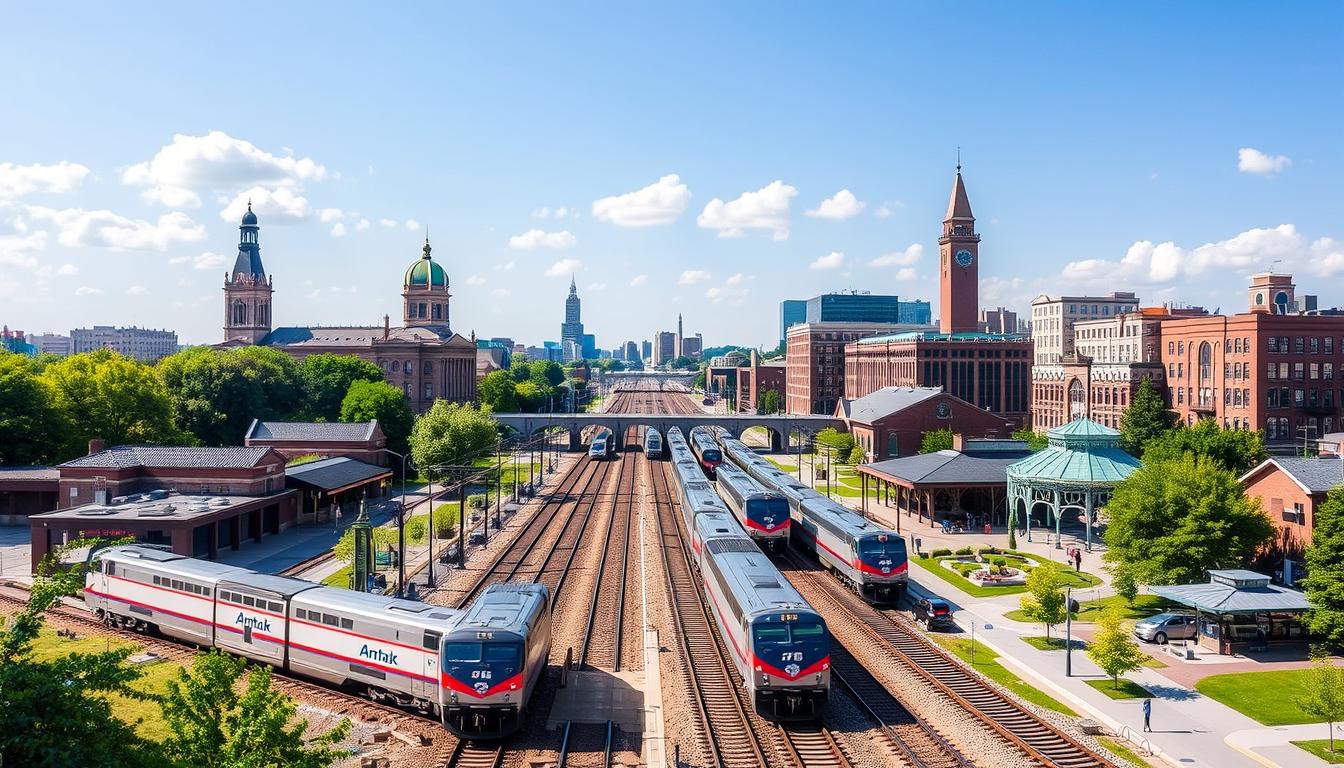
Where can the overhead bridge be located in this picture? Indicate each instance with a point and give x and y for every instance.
(575, 423)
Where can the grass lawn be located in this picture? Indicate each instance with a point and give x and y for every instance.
(1321, 749)
(1120, 748)
(781, 465)
(340, 578)
(1144, 606)
(1068, 578)
(1260, 695)
(1127, 689)
(49, 645)
(986, 665)
(1041, 643)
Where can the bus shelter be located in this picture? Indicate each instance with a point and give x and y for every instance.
(1239, 610)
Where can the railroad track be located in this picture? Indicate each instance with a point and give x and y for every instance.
(727, 734)
(897, 639)
(606, 609)
(468, 754)
(813, 747)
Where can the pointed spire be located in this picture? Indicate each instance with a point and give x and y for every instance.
(249, 204)
(959, 205)
(572, 287)
(427, 249)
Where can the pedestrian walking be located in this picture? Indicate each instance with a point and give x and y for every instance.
(1077, 559)
(1147, 715)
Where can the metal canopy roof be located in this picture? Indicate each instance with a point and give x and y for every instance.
(1226, 600)
(336, 474)
(1081, 452)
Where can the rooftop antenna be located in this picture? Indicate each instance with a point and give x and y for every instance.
(1272, 263)
(958, 159)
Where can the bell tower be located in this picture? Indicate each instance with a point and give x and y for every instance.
(959, 264)
(247, 289)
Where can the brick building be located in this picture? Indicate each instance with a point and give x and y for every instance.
(891, 421)
(757, 378)
(361, 440)
(815, 367)
(1052, 319)
(1266, 369)
(1290, 488)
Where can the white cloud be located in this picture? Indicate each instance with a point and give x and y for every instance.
(137, 290)
(475, 280)
(887, 208)
(338, 230)
(280, 205)
(767, 208)
(362, 225)
(638, 280)
(328, 215)
(1250, 160)
(16, 250)
(832, 260)
(912, 253)
(67, 270)
(85, 290)
(840, 206)
(737, 279)
(597, 286)
(501, 292)
(1326, 257)
(179, 171)
(693, 276)
(506, 266)
(564, 267)
(536, 238)
(905, 274)
(659, 203)
(732, 292)
(210, 260)
(541, 213)
(103, 228)
(412, 224)
(561, 212)
(387, 222)
(19, 180)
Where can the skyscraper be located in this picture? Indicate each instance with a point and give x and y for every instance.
(791, 312)
(571, 331)
(678, 350)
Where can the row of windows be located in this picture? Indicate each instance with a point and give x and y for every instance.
(326, 619)
(1301, 371)
(419, 311)
(1277, 397)
(177, 584)
(1312, 345)
(1096, 309)
(1280, 428)
(407, 367)
(260, 603)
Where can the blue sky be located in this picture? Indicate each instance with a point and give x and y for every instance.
(1170, 149)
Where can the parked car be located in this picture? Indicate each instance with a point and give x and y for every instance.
(1167, 626)
(933, 613)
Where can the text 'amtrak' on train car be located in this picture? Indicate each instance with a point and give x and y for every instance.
(706, 450)
(779, 645)
(763, 512)
(494, 658)
(390, 649)
(653, 444)
(869, 558)
(602, 445)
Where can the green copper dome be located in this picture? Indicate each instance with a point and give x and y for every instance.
(424, 272)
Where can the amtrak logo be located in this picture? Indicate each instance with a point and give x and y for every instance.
(378, 655)
(260, 625)
(886, 569)
(481, 688)
(792, 670)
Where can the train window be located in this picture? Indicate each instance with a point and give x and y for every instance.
(462, 652)
(808, 631)
(273, 607)
(111, 568)
(767, 634)
(347, 623)
(249, 601)
(299, 613)
(431, 641)
(177, 584)
(205, 591)
(156, 579)
(331, 620)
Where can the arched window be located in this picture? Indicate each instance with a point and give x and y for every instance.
(1205, 361)
(239, 313)
(263, 313)
(1077, 399)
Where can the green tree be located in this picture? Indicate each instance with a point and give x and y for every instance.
(384, 402)
(1323, 695)
(532, 397)
(327, 379)
(450, 433)
(216, 393)
(1112, 649)
(546, 372)
(55, 710)
(1122, 580)
(1034, 441)
(1044, 601)
(937, 440)
(1232, 449)
(1325, 569)
(856, 455)
(699, 381)
(1172, 521)
(212, 725)
(769, 402)
(30, 425)
(839, 443)
(106, 395)
(1146, 418)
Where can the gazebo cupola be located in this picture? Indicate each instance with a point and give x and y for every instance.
(1077, 471)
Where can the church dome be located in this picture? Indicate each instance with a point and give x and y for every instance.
(425, 272)
(249, 218)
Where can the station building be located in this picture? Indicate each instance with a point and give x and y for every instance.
(291, 439)
(891, 421)
(1290, 490)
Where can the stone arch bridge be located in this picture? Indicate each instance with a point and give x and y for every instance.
(618, 423)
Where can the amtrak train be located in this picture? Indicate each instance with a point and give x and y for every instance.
(653, 444)
(706, 450)
(392, 650)
(762, 511)
(602, 446)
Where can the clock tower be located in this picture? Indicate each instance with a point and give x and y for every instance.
(959, 264)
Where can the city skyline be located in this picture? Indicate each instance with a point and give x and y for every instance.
(1172, 186)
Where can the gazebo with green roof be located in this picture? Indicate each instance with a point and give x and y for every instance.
(1077, 471)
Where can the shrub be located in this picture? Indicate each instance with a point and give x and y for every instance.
(923, 555)
(416, 528)
(476, 501)
(966, 551)
(999, 561)
(942, 552)
(990, 550)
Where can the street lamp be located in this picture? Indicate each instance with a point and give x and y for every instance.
(401, 525)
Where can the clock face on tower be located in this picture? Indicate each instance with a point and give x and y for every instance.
(964, 258)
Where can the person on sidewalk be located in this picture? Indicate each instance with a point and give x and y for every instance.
(1077, 559)
(1147, 715)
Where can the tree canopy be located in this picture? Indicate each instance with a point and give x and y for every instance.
(1171, 521)
(1112, 648)
(1044, 601)
(1145, 419)
(31, 428)
(1034, 441)
(452, 434)
(1232, 449)
(327, 379)
(1325, 569)
(498, 390)
(379, 400)
(769, 402)
(216, 393)
(937, 440)
(106, 395)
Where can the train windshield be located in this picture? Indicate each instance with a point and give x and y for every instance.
(808, 632)
(773, 512)
(504, 659)
(872, 548)
(711, 454)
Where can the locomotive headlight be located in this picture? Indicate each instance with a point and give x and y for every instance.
(506, 696)
(765, 679)
(453, 696)
(758, 667)
(818, 678)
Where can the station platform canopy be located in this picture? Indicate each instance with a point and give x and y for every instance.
(336, 475)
